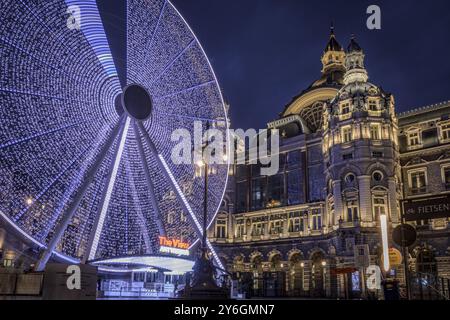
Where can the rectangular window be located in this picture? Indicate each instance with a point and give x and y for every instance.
(379, 207)
(294, 159)
(377, 154)
(241, 196)
(414, 139)
(348, 156)
(345, 109)
(258, 229)
(418, 182)
(446, 177)
(275, 194)
(445, 130)
(276, 227)
(296, 224)
(347, 134)
(316, 216)
(375, 132)
(259, 193)
(221, 227)
(373, 105)
(294, 187)
(352, 211)
(240, 229)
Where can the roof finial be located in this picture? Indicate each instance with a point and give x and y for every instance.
(332, 28)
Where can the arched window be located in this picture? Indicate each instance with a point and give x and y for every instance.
(350, 178)
(377, 176)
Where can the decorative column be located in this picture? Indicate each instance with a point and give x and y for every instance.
(393, 209)
(338, 205)
(365, 199)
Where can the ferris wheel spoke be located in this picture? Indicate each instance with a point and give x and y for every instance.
(171, 63)
(67, 217)
(11, 44)
(150, 185)
(37, 94)
(53, 182)
(92, 206)
(198, 86)
(149, 45)
(187, 117)
(97, 228)
(164, 167)
(39, 135)
(138, 208)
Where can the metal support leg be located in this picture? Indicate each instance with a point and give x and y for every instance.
(176, 188)
(97, 228)
(150, 186)
(67, 217)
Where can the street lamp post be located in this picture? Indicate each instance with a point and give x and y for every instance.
(204, 285)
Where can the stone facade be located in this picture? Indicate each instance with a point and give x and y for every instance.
(345, 160)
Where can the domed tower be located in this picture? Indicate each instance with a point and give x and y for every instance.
(360, 149)
(333, 60)
(309, 103)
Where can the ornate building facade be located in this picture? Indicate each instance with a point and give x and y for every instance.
(346, 158)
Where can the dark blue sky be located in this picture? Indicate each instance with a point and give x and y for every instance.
(264, 52)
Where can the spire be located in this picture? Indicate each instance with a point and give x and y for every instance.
(354, 63)
(333, 44)
(334, 55)
(353, 46)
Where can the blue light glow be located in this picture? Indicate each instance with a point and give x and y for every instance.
(58, 89)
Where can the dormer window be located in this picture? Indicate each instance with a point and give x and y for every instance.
(445, 132)
(345, 109)
(414, 139)
(373, 105)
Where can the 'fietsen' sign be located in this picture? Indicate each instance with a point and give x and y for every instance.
(423, 209)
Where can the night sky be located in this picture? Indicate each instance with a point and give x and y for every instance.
(264, 52)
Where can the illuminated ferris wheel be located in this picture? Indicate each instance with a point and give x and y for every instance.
(85, 162)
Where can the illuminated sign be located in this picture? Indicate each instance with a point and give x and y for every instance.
(430, 208)
(173, 246)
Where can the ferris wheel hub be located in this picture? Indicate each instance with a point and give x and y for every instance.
(137, 102)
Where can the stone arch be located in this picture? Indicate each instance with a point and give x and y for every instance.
(294, 252)
(256, 260)
(349, 168)
(314, 251)
(377, 166)
(275, 259)
(426, 262)
(254, 255)
(273, 253)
